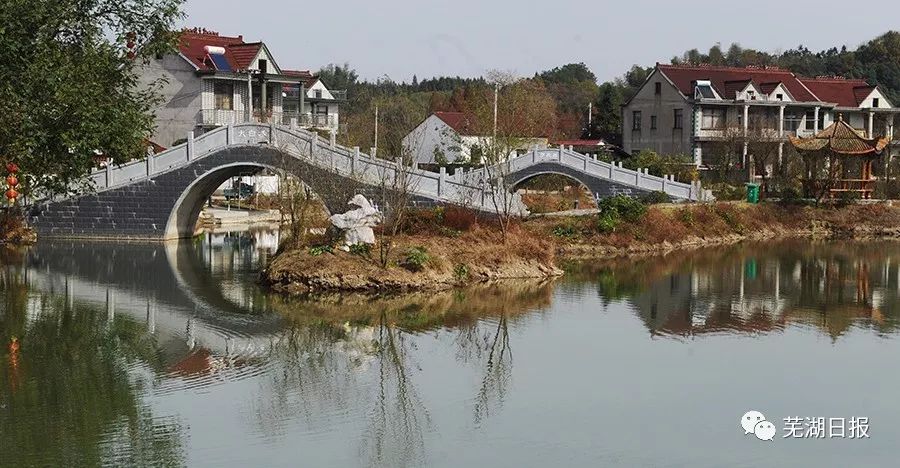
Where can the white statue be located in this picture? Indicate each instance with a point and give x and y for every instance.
(358, 223)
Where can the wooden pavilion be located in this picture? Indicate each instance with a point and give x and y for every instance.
(839, 160)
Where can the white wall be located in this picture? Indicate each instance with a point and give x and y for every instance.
(179, 110)
(433, 136)
(882, 101)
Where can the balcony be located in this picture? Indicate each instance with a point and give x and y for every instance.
(322, 121)
(294, 95)
(220, 117)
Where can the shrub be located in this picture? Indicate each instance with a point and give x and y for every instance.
(414, 259)
(606, 223)
(317, 250)
(362, 249)
(622, 206)
(461, 272)
(653, 198)
(458, 218)
(566, 231)
(726, 192)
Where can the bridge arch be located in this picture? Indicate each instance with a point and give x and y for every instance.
(523, 179)
(167, 205)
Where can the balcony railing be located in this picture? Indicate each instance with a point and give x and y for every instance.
(219, 117)
(336, 94)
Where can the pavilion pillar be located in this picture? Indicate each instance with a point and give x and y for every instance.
(870, 126)
(816, 120)
(780, 121)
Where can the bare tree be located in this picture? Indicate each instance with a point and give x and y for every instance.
(510, 119)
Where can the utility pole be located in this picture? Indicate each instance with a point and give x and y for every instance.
(376, 132)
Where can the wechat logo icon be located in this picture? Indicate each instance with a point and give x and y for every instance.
(754, 422)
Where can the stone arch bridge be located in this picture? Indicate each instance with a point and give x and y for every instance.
(161, 197)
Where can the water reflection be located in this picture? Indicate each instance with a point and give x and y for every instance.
(151, 354)
(759, 288)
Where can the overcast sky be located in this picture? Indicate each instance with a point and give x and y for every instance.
(399, 38)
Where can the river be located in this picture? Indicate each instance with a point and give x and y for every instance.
(130, 354)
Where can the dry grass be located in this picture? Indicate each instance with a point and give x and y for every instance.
(674, 224)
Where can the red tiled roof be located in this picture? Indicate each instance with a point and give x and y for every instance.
(458, 121)
(683, 77)
(309, 78)
(769, 87)
(731, 88)
(843, 91)
(243, 54)
(238, 53)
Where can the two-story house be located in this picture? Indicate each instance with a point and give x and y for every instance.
(690, 109)
(213, 80)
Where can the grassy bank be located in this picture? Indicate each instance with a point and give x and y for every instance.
(661, 228)
(441, 249)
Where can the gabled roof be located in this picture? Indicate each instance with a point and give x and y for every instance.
(238, 55)
(733, 87)
(768, 87)
(308, 78)
(684, 76)
(845, 92)
(841, 138)
(458, 121)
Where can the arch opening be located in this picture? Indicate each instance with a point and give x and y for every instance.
(182, 222)
(548, 192)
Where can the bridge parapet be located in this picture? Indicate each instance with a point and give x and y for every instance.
(615, 173)
(308, 146)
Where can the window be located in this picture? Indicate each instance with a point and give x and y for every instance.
(779, 96)
(636, 121)
(679, 118)
(658, 89)
(270, 97)
(875, 102)
(262, 65)
(224, 95)
(322, 110)
(318, 94)
(652, 122)
(751, 95)
(713, 118)
(810, 120)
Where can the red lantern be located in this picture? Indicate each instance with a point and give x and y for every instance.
(130, 55)
(12, 181)
(12, 168)
(11, 194)
(130, 44)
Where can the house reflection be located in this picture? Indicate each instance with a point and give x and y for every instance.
(762, 288)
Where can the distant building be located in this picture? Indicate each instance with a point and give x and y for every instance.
(215, 80)
(450, 138)
(688, 109)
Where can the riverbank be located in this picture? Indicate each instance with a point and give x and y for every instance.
(664, 228)
(438, 252)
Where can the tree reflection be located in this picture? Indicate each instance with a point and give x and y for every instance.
(69, 395)
(337, 342)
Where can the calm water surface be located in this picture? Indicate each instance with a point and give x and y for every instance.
(169, 355)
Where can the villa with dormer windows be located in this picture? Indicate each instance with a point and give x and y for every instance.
(214, 80)
(688, 109)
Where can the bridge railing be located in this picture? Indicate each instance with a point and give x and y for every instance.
(349, 162)
(640, 178)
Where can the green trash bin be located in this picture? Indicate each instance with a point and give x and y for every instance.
(752, 193)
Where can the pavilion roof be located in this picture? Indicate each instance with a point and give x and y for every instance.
(840, 138)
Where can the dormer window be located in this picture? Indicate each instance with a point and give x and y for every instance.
(779, 97)
(875, 102)
(751, 95)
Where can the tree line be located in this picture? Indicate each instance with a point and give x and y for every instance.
(573, 86)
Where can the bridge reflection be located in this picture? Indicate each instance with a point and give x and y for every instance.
(759, 288)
